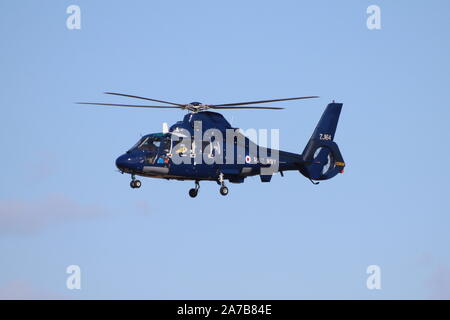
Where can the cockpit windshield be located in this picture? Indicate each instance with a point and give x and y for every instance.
(150, 143)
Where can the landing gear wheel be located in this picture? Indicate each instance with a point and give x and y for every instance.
(223, 191)
(193, 193)
(135, 184)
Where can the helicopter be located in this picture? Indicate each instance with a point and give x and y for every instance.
(203, 146)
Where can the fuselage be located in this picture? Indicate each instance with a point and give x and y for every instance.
(153, 156)
(199, 148)
(204, 146)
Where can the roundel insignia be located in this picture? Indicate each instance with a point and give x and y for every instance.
(248, 159)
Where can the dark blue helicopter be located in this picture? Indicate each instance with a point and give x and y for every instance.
(178, 151)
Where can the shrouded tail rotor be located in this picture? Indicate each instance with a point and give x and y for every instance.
(322, 157)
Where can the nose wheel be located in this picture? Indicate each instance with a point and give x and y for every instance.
(135, 184)
(223, 190)
(194, 191)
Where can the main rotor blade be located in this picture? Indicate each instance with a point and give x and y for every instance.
(128, 105)
(260, 101)
(238, 107)
(143, 98)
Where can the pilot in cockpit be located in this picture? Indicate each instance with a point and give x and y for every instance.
(150, 144)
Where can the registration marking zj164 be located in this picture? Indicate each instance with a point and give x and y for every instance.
(325, 136)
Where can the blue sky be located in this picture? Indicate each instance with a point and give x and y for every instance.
(63, 203)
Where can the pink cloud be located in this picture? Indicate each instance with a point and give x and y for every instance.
(439, 283)
(23, 290)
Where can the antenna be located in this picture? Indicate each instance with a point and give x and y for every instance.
(165, 127)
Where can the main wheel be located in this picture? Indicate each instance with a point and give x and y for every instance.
(193, 193)
(223, 191)
(135, 184)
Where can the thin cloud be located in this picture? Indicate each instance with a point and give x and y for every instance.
(18, 216)
(439, 283)
(23, 290)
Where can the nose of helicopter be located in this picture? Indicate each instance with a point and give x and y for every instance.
(122, 162)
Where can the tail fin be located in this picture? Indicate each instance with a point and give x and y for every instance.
(322, 157)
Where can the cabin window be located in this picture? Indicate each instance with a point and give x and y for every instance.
(165, 145)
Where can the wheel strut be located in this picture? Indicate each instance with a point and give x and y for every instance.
(223, 189)
(194, 191)
(135, 184)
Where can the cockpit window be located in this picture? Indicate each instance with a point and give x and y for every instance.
(137, 144)
(150, 144)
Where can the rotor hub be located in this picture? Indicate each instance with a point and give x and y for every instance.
(196, 106)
